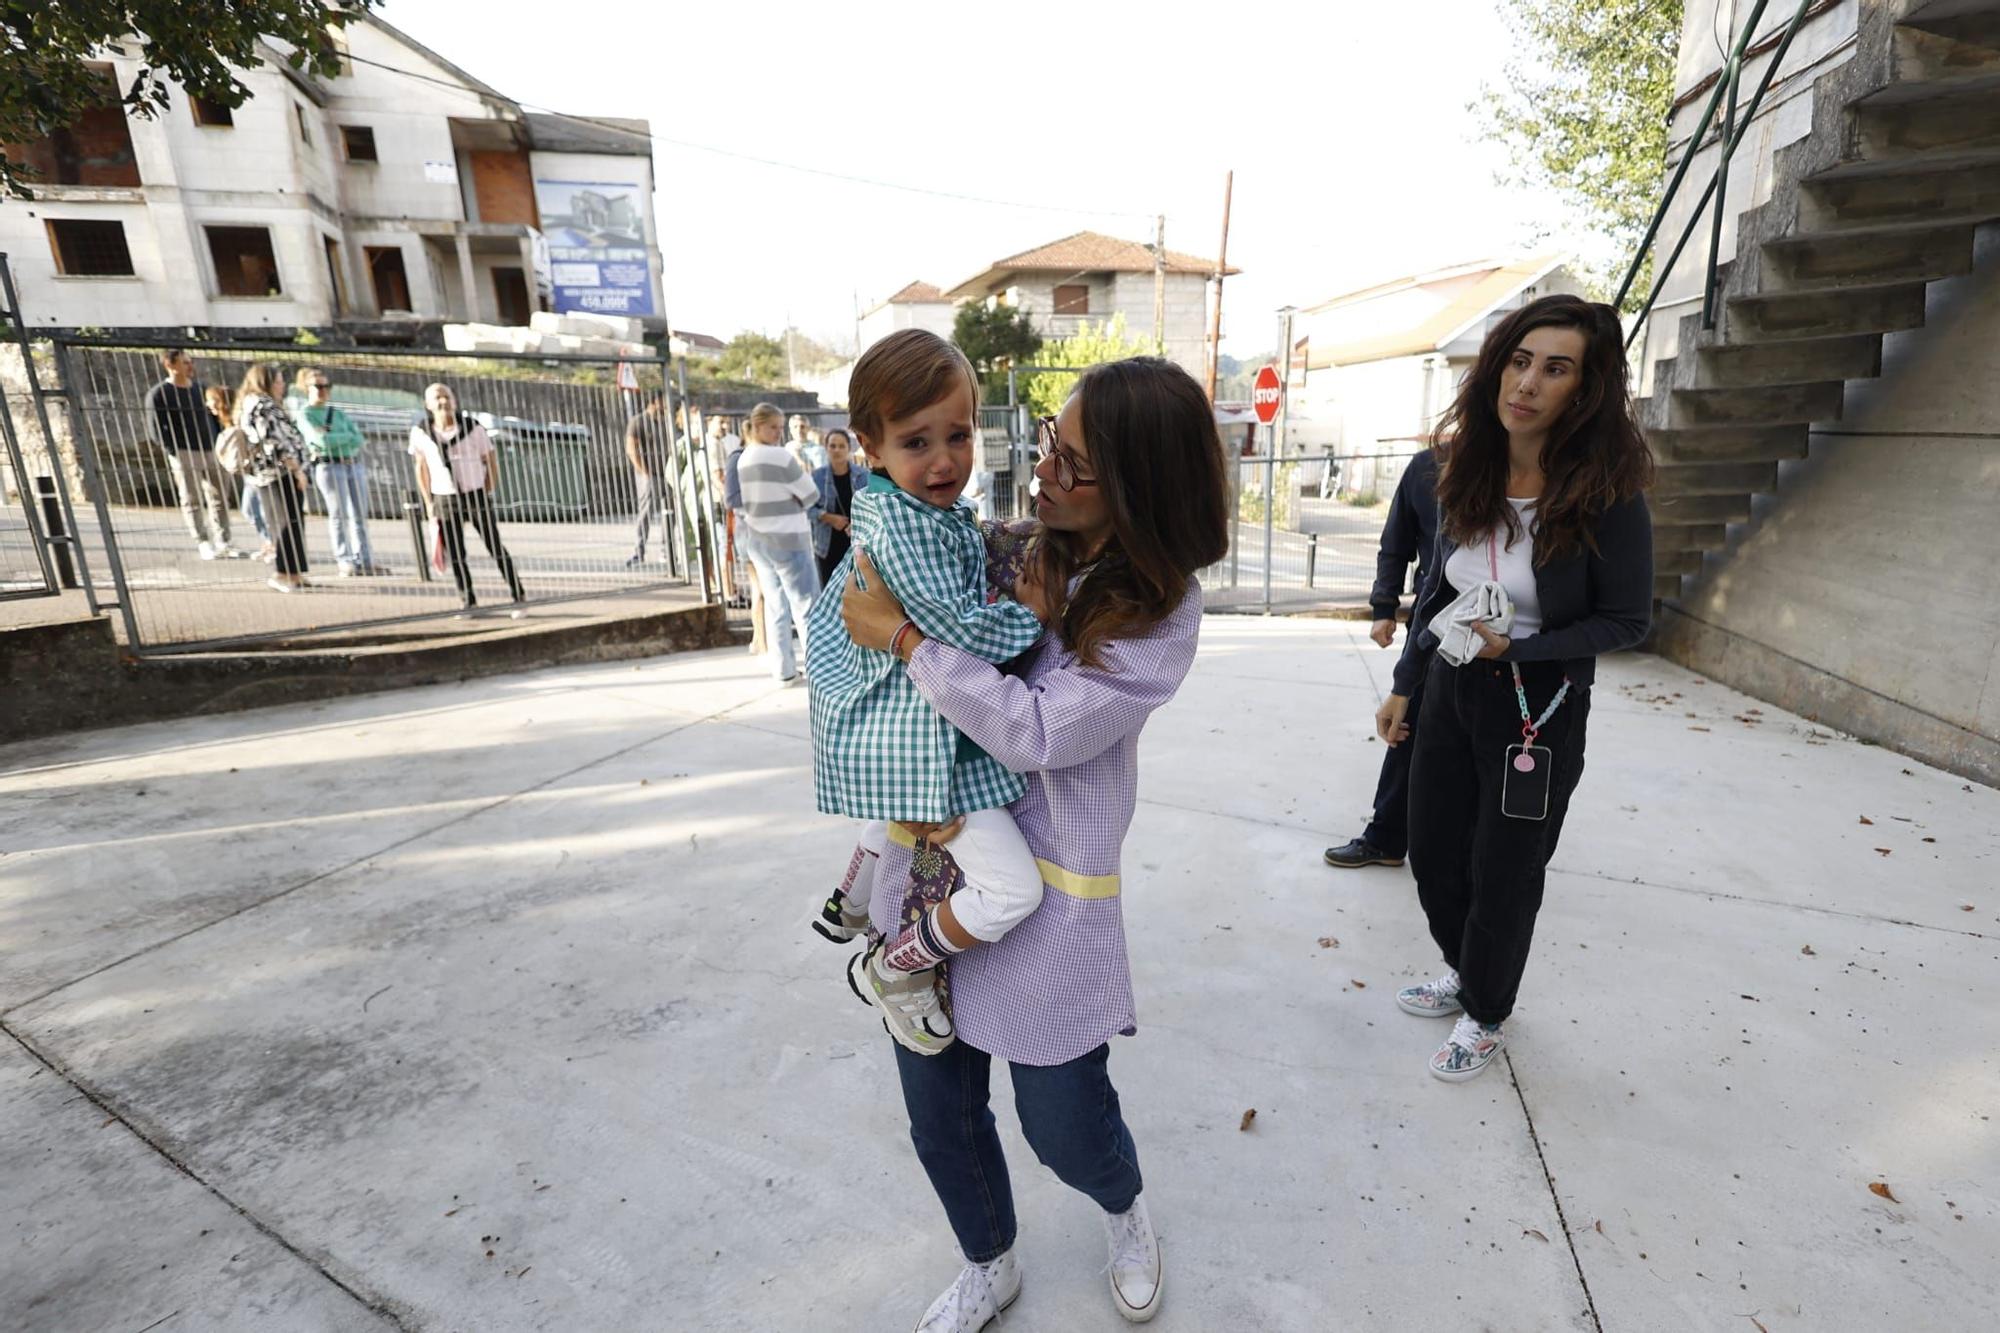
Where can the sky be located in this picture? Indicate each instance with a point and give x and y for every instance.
(1346, 124)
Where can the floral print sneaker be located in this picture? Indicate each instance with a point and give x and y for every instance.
(1433, 999)
(1470, 1048)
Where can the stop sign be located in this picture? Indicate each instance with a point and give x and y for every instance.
(1265, 394)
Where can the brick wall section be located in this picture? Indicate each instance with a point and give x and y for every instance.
(503, 187)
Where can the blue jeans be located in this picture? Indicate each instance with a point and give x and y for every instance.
(790, 581)
(253, 509)
(1069, 1113)
(344, 486)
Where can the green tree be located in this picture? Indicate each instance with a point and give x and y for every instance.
(994, 338)
(199, 44)
(1088, 346)
(756, 358)
(1583, 113)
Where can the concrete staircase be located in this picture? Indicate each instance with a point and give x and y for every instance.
(1880, 200)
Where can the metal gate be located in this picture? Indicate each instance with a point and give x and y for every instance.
(38, 552)
(197, 557)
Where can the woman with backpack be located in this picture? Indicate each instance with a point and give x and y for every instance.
(1543, 561)
(273, 466)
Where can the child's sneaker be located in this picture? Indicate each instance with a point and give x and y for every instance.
(1469, 1049)
(911, 1011)
(835, 922)
(1433, 999)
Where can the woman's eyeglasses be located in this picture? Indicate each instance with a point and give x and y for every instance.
(1047, 446)
(321, 384)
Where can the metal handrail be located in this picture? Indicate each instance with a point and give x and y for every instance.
(1736, 122)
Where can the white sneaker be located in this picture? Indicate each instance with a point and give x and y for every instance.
(279, 584)
(976, 1299)
(907, 1001)
(1136, 1275)
(1469, 1049)
(1433, 999)
(227, 552)
(207, 550)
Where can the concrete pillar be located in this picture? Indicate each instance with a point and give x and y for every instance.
(528, 271)
(474, 307)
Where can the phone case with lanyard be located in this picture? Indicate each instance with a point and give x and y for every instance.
(1524, 786)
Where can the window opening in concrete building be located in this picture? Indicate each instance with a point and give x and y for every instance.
(335, 283)
(211, 113)
(510, 295)
(305, 132)
(95, 150)
(88, 249)
(385, 273)
(1073, 298)
(359, 141)
(244, 262)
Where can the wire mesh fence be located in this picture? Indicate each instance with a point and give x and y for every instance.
(1304, 531)
(26, 568)
(595, 489)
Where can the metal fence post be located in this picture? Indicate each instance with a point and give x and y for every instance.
(1270, 513)
(93, 490)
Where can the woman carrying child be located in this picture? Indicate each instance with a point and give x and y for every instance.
(1132, 501)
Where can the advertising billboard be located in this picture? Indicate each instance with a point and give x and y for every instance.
(596, 233)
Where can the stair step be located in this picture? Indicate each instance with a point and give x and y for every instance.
(1924, 200)
(1817, 261)
(1687, 510)
(1729, 444)
(1970, 21)
(1679, 479)
(1948, 123)
(1746, 365)
(1666, 585)
(1950, 55)
(1676, 563)
(1689, 537)
(1770, 405)
(1775, 317)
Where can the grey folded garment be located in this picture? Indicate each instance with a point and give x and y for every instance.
(1488, 603)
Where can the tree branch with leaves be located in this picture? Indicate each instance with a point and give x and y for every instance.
(1583, 113)
(47, 48)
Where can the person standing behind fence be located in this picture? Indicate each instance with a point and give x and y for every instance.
(457, 471)
(810, 455)
(177, 411)
(277, 471)
(335, 444)
(839, 482)
(646, 450)
(1541, 489)
(1408, 534)
(766, 485)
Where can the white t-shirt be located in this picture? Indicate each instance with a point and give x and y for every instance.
(1470, 566)
(468, 446)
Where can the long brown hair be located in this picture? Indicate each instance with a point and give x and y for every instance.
(1158, 463)
(1594, 457)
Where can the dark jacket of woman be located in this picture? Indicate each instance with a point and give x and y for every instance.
(1593, 601)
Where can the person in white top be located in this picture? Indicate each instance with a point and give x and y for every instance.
(771, 494)
(457, 473)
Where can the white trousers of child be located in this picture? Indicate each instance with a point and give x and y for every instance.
(1003, 884)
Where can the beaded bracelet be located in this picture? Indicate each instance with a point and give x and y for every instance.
(896, 642)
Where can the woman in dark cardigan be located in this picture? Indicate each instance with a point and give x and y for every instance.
(1541, 488)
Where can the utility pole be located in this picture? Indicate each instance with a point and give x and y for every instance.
(1221, 268)
(1160, 281)
(791, 371)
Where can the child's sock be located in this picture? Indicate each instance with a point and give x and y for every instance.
(858, 887)
(922, 946)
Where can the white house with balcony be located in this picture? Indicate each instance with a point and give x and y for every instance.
(398, 195)
(1088, 278)
(919, 305)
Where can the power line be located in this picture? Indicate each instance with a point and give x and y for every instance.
(763, 161)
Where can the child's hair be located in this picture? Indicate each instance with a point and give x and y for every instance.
(902, 374)
(218, 399)
(764, 412)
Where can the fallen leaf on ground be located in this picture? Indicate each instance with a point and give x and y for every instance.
(452, 1213)
(1883, 850)
(1697, 728)
(1362, 985)
(1808, 952)
(1530, 1231)
(1760, 1324)
(1881, 1190)
(1328, 942)
(1248, 1116)
(1866, 820)
(1598, 1226)
(1930, 839)
(1753, 999)
(1965, 907)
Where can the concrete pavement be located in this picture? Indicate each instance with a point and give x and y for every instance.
(490, 1006)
